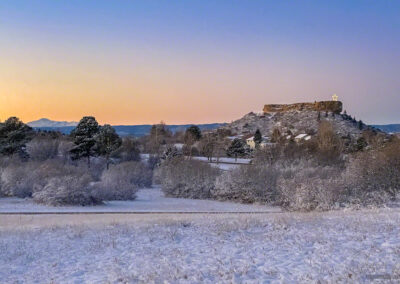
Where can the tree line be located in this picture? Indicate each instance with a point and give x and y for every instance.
(89, 138)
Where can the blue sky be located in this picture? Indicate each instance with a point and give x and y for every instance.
(181, 61)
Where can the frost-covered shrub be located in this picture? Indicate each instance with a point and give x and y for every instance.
(70, 189)
(187, 178)
(42, 148)
(49, 182)
(122, 181)
(18, 179)
(305, 186)
(96, 169)
(373, 177)
(306, 194)
(248, 184)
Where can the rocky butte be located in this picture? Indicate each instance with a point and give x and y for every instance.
(323, 106)
(298, 118)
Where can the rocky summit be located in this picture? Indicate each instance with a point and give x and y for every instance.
(330, 106)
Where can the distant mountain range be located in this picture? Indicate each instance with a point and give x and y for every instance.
(144, 129)
(122, 130)
(45, 122)
(389, 128)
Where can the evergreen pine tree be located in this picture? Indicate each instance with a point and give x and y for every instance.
(14, 135)
(193, 131)
(85, 138)
(257, 137)
(107, 141)
(236, 149)
(360, 125)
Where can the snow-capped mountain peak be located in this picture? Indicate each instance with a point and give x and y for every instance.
(45, 122)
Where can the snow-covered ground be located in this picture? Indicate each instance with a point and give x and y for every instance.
(225, 167)
(225, 164)
(224, 160)
(148, 200)
(145, 157)
(347, 247)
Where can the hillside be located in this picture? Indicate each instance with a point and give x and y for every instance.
(297, 119)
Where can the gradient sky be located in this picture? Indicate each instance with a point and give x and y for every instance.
(139, 62)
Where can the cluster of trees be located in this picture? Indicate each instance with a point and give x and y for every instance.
(314, 175)
(58, 169)
(90, 139)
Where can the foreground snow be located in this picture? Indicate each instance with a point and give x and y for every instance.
(148, 200)
(329, 247)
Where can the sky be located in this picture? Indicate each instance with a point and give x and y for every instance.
(140, 62)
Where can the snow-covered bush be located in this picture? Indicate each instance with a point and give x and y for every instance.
(49, 182)
(69, 189)
(248, 184)
(302, 193)
(122, 181)
(305, 185)
(97, 166)
(187, 178)
(373, 177)
(18, 178)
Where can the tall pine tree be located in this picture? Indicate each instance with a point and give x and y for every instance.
(14, 134)
(193, 133)
(107, 141)
(85, 138)
(257, 137)
(236, 149)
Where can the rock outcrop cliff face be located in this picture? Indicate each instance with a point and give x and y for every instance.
(326, 106)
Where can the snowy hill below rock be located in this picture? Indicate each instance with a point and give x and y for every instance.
(295, 121)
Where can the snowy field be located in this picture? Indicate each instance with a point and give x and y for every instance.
(347, 247)
(224, 160)
(148, 200)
